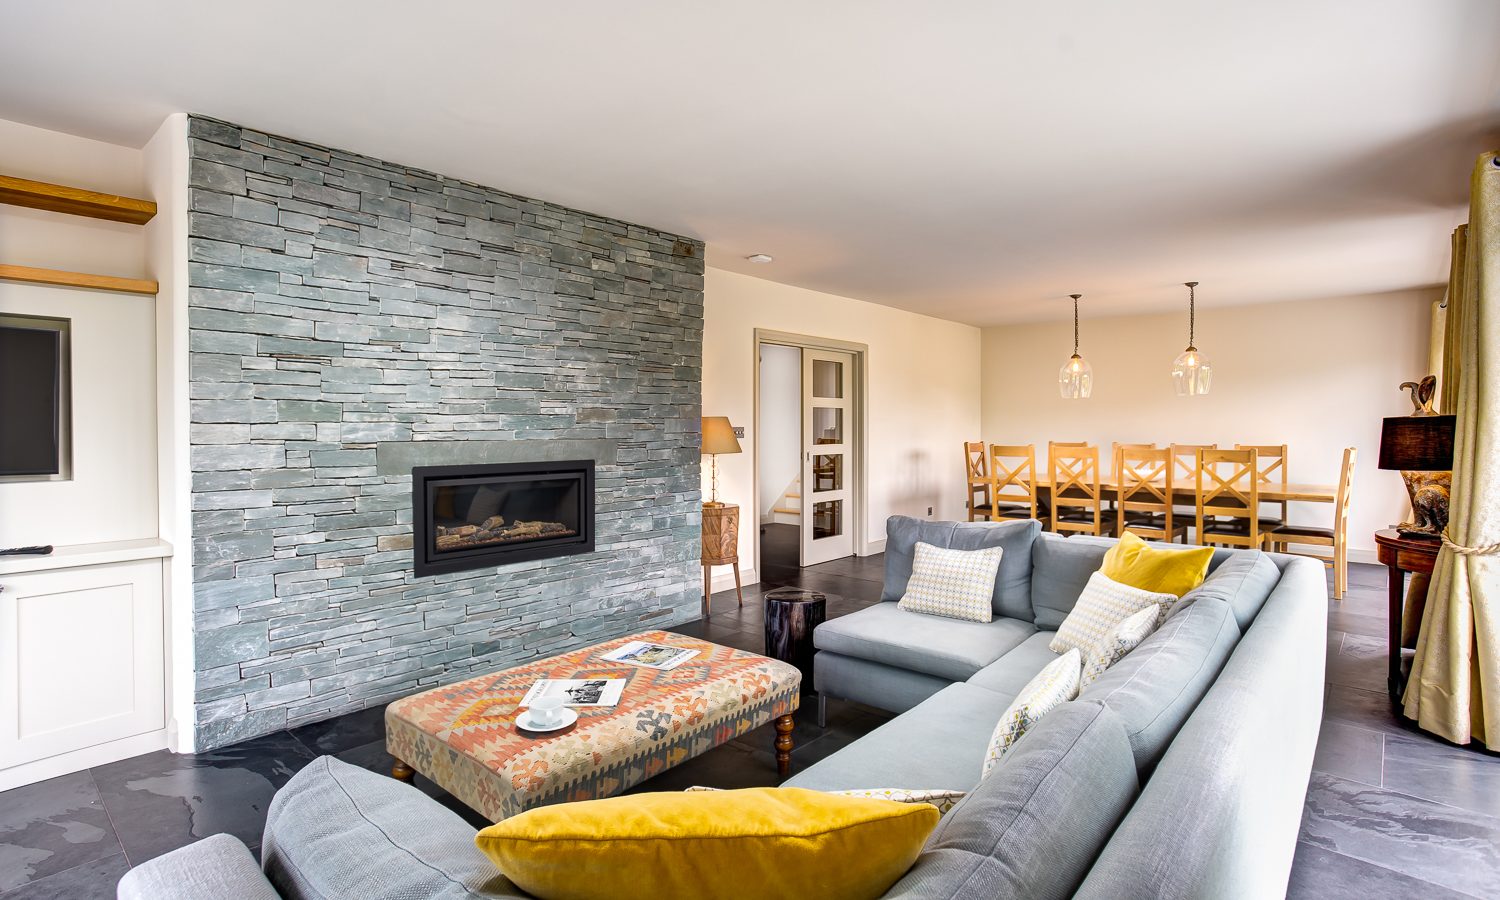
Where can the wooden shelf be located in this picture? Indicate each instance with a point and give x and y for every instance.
(79, 279)
(76, 555)
(75, 201)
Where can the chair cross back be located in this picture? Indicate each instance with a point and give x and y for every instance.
(1074, 476)
(1236, 495)
(1144, 479)
(1185, 459)
(1013, 482)
(975, 466)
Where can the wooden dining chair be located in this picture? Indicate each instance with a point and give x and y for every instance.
(1073, 472)
(1271, 468)
(1013, 483)
(1335, 538)
(1143, 493)
(977, 472)
(1185, 474)
(1228, 500)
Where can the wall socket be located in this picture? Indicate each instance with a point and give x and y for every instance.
(929, 510)
(739, 431)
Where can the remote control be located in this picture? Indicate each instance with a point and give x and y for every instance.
(26, 551)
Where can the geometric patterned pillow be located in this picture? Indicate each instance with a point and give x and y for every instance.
(1103, 605)
(1053, 686)
(1121, 639)
(953, 583)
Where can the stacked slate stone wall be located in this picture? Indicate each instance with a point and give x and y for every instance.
(351, 317)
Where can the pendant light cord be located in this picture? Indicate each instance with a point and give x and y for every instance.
(1192, 287)
(1075, 322)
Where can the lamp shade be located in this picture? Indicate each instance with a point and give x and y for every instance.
(1417, 443)
(718, 435)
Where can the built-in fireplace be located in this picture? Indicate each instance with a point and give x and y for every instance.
(472, 517)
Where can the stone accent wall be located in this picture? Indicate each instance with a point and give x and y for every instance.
(341, 304)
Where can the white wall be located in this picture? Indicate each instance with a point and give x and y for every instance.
(1316, 375)
(923, 392)
(112, 495)
(780, 422)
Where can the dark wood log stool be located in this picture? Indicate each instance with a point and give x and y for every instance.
(791, 616)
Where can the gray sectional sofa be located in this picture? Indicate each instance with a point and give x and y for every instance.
(1206, 730)
(1180, 772)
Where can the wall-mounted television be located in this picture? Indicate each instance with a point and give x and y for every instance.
(33, 396)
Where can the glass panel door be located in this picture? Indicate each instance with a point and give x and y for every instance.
(827, 531)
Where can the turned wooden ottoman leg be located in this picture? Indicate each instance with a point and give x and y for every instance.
(784, 746)
(402, 772)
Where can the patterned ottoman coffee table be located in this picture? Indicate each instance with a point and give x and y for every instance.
(464, 736)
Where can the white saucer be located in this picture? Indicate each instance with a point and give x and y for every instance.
(525, 722)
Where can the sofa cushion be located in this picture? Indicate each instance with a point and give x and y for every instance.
(1160, 567)
(1244, 581)
(959, 584)
(938, 745)
(1012, 595)
(1033, 828)
(336, 830)
(1009, 673)
(1114, 646)
(872, 683)
(948, 648)
(1060, 568)
(219, 866)
(1158, 684)
(1103, 605)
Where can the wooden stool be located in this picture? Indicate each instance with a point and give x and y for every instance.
(721, 546)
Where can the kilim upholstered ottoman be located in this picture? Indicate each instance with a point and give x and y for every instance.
(465, 739)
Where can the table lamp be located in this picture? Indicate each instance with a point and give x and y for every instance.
(718, 437)
(1420, 446)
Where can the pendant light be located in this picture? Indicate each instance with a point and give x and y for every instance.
(1075, 380)
(1191, 373)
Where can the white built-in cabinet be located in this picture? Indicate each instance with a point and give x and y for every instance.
(82, 671)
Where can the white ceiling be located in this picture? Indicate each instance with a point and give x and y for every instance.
(974, 160)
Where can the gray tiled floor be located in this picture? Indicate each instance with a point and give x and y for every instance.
(1390, 812)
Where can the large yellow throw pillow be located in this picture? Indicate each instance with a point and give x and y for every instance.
(760, 842)
(1136, 563)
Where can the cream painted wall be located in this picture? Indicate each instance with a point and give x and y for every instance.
(112, 495)
(1317, 375)
(923, 392)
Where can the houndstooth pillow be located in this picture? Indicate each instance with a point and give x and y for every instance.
(1055, 685)
(1103, 605)
(953, 583)
(1121, 639)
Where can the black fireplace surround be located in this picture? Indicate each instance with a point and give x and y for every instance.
(474, 517)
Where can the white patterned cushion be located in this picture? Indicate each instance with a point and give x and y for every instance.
(1121, 639)
(1055, 685)
(944, 800)
(953, 583)
(1103, 605)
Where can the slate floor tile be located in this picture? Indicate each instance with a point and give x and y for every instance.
(168, 800)
(1360, 662)
(1349, 751)
(1458, 776)
(1452, 847)
(51, 826)
(1319, 874)
(346, 732)
(93, 880)
(1367, 709)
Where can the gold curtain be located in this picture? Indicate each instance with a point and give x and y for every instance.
(1454, 689)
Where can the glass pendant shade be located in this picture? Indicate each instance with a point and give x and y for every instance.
(1192, 375)
(1075, 380)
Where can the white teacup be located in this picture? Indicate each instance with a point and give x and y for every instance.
(547, 710)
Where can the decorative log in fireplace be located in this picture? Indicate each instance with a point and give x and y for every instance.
(471, 517)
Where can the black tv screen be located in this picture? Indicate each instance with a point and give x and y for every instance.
(30, 400)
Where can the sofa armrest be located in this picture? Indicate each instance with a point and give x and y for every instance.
(216, 868)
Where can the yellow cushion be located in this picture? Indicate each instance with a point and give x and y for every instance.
(1136, 563)
(763, 842)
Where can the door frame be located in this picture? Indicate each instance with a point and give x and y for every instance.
(859, 380)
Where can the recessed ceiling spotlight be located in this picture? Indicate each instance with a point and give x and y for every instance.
(759, 258)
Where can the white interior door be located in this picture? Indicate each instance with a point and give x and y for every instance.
(827, 457)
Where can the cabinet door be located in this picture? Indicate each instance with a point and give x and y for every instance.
(81, 658)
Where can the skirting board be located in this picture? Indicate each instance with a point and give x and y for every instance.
(723, 579)
(85, 758)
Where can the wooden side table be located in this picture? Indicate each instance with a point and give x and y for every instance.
(791, 616)
(1401, 555)
(721, 546)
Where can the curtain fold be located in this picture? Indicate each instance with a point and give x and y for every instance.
(1454, 689)
(1451, 375)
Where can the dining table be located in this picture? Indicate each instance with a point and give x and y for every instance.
(1270, 491)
